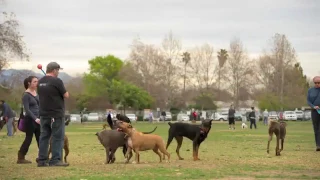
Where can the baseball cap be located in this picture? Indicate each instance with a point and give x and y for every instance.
(53, 65)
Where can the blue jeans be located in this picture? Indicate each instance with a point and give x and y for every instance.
(265, 120)
(55, 129)
(315, 116)
(10, 127)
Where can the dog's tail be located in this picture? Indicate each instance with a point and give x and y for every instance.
(150, 131)
(109, 120)
(97, 134)
(169, 123)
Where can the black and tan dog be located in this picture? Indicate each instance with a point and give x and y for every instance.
(279, 129)
(14, 125)
(196, 133)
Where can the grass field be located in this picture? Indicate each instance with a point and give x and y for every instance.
(226, 154)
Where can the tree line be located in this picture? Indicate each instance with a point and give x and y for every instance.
(172, 77)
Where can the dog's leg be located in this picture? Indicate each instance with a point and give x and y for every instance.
(282, 141)
(66, 151)
(107, 155)
(179, 143)
(195, 144)
(124, 149)
(269, 140)
(170, 138)
(156, 150)
(113, 157)
(197, 151)
(137, 158)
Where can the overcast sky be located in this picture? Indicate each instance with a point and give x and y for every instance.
(73, 31)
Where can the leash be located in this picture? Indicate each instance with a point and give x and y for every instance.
(52, 121)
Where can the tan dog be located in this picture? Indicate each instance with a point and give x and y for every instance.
(279, 129)
(65, 147)
(143, 142)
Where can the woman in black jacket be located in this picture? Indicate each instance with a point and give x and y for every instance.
(30, 101)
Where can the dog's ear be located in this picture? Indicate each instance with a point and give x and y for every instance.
(211, 121)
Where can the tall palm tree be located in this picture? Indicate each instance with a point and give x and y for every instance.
(185, 59)
(222, 58)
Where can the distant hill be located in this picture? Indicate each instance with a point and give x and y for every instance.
(9, 76)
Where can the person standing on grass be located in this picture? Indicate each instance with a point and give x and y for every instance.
(8, 116)
(52, 93)
(231, 117)
(150, 117)
(265, 117)
(30, 101)
(313, 99)
(163, 115)
(252, 118)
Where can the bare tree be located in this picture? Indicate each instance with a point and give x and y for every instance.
(241, 70)
(185, 59)
(203, 66)
(284, 55)
(265, 71)
(149, 63)
(222, 59)
(171, 49)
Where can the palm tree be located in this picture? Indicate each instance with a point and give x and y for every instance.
(222, 58)
(185, 59)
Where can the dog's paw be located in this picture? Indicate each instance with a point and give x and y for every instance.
(134, 162)
(167, 161)
(268, 151)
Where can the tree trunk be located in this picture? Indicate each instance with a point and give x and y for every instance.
(219, 76)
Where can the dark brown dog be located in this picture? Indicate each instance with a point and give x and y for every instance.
(279, 129)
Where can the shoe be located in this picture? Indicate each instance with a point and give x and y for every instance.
(318, 149)
(42, 164)
(22, 160)
(60, 163)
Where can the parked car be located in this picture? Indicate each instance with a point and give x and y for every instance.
(183, 117)
(132, 117)
(307, 115)
(273, 115)
(219, 116)
(93, 117)
(299, 115)
(289, 115)
(168, 116)
(75, 118)
(238, 116)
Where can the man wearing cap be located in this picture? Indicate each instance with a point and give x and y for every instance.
(313, 99)
(51, 92)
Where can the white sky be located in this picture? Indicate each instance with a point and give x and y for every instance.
(71, 32)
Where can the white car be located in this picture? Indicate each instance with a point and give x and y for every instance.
(300, 115)
(75, 118)
(219, 116)
(93, 117)
(132, 117)
(183, 117)
(290, 115)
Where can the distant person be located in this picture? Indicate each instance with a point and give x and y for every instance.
(30, 101)
(252, 118)
(163, 115)
(52, 93)
(8, 116)
(265, 117)
(231, 117)
(313, 100)
(150, 117)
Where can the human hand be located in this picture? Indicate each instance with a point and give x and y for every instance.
(37, 121)
(316, 107)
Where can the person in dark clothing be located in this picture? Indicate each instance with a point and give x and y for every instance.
(52, 110)
(30, 101)
(231, 117)
(252, 118)
(8, 116)
(164, 115)
(313, 99)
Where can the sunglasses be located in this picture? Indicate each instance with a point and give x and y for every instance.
(316, 82)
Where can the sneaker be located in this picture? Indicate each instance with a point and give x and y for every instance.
(318, 149)
(41, 164)
(60, 163)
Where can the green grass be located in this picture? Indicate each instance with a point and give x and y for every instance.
(239, 154)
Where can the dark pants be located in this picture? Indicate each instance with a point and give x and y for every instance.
(31, 128)
(56, 130)
(231, 120)
(315, 116)
(253, 122)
